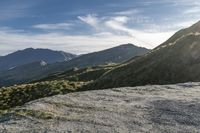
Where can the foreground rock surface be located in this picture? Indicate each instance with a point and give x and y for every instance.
(148, 109)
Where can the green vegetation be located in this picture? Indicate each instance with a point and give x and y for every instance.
(81, 75)
(18, 95)
(60, 83)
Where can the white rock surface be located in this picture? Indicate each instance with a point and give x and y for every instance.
(147, 109)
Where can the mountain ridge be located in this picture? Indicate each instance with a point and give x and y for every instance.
(192, 29)
(30, 55)
(125, 52)
(170, 63)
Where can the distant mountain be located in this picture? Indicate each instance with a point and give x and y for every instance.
(175, 61)
(32, 55)
(29, 73)
(113, 55)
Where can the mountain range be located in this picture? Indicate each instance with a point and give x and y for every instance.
(30, 55)
(41, 68)
(174, 61)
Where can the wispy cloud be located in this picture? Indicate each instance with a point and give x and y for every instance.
(117, 26)
(117, 23)
(128, 12)
(111, 31)
(58, 26)
(79, 44)
(90, 19)
(185, 2)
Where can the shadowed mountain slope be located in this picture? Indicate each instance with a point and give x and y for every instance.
(177, 60)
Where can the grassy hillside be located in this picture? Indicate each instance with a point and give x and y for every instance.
(171, 63)
(84, 74)
(60, 83)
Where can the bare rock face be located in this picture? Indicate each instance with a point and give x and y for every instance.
(148, 109)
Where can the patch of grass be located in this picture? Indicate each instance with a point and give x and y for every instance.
(18, 95)
(5, 114)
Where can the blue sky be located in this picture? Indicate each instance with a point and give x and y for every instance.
(83, 26)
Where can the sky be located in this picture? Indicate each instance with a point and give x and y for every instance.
(84, 26)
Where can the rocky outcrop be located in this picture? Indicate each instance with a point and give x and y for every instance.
(148, 109)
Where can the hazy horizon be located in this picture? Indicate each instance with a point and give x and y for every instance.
(68, 51)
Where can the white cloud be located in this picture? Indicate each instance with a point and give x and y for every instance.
(90, 19)
(128, 12)
(146, 39)
(109, 31)
(79, 44)
(76, 44)
(117, 26)
(121, 19)
(58, 26)
(186, 2)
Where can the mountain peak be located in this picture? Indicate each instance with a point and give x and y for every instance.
(129, 45)
(37, 49)
(27, 49)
